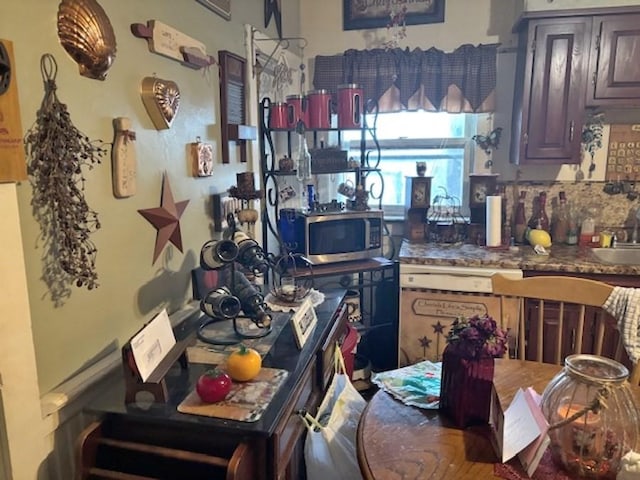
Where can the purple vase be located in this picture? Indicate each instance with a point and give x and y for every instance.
(465, 388)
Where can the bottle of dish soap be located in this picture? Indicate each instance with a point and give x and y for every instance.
(587, 228)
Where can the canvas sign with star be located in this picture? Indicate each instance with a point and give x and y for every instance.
(429, 315)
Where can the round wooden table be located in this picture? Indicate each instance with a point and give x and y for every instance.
(397, 441)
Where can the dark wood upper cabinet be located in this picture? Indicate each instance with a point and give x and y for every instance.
(615, 62)
(552, 69)
(568, 61)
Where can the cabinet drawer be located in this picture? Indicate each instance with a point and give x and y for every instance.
(291, 427)
(325, 354)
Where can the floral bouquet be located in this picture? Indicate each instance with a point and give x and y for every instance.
(477, 337)
(467, 368)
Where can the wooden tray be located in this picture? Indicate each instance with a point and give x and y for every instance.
(246, 401)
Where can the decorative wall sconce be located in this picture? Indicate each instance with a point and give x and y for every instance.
(85, 32)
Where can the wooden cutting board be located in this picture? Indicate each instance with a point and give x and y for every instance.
(13, 166)
(246, 401)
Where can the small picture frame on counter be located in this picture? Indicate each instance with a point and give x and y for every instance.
(303, 322)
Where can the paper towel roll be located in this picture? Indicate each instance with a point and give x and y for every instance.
(494, 221)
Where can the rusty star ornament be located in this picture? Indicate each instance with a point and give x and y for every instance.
(166, 219)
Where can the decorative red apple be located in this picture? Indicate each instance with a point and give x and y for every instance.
(213, 386)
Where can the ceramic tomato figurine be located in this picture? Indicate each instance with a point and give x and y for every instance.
(213, 386)
(244, 364)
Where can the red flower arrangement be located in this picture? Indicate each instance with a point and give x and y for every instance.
(477, 337)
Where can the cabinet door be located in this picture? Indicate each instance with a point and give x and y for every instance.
(554, 85)
(615, 61)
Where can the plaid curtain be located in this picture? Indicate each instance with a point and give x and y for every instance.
(460, 81)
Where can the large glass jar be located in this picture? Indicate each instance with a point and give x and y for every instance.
(592, 417)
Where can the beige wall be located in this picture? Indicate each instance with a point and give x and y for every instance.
(466, 21)
(92, 323)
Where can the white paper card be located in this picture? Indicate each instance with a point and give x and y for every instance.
(152, 344)
(520, 427)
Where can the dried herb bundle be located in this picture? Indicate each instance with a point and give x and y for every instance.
(57, 152)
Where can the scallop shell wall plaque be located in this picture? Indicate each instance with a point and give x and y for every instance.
(161, 98)
(85, 32)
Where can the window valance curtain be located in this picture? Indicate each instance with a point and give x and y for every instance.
(460, 81)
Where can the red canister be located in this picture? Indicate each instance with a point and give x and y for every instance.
(297, 111)
(349, 106)
(278, 115)
(319, 104)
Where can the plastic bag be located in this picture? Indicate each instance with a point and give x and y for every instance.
(330, 445)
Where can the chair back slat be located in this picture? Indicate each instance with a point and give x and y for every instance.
(577, 348)
(578, 325)
(599, 339)
(522, 329)
(540, 331)
(559, 337)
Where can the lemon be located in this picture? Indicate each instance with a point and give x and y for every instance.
(539, 237)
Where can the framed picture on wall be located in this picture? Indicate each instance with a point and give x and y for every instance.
(362, 14)
(221, 7)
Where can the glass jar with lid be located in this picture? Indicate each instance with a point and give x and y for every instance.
(593, 421)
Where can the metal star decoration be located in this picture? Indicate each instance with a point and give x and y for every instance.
(166, 219)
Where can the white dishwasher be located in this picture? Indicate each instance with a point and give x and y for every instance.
(433, 296)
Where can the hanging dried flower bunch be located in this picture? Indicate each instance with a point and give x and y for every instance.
(57, 151)
(397, 26)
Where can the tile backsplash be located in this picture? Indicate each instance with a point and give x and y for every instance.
(615, 212)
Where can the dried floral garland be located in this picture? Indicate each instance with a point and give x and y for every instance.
(57, 152)
(592, 137)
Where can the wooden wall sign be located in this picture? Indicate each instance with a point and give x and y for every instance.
(232, 104)
(13, 165)
(169, 42)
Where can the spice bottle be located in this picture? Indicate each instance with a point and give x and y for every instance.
(520, 221)
(560, 221)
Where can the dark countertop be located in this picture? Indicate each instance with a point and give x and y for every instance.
(561, 258)
(283, 354)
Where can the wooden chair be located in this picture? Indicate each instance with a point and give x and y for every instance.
(562, 315)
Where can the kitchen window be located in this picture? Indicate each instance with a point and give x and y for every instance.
(442, 140)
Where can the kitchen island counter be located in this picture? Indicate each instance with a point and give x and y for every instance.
(561, 258)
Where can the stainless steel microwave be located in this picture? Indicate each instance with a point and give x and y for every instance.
(330, 237)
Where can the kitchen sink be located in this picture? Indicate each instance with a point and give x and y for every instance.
(627, 254)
